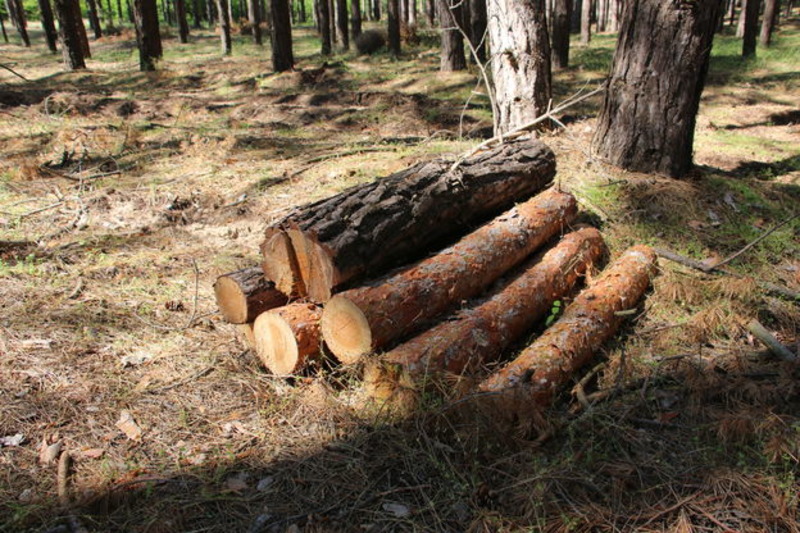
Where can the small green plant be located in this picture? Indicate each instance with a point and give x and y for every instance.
(555, 312)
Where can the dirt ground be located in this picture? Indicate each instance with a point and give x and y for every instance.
(124, 195)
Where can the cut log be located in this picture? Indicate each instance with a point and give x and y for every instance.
(361, 320)
(247, 335)
(245, 294)
(396, 219)
(482, 333)
(280, 263)
(288, 337)
(533, 378)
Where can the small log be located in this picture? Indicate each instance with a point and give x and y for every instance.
(280, 263)
(769, 340)
(245, 294)
(392, 221)
(549, 362)
(482, 333)
(288, 337)
(361, 320)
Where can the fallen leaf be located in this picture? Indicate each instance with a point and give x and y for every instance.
(128, 425)
(397, 509)
(12, 440)
(49, 453)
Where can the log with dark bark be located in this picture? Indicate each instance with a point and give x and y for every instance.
(480, 334)
(394, 220)
(288, 337)
(538, 373)
(245, 294)
(361, 320)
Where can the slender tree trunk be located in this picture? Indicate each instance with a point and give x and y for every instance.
(742, 16)
(81, 29)
(3, 27)
(302, 11)
(282, 56)
(577, 9)
(254, 14)
(224, 26)
(324, 26)
(613, 15)
(376, 10)
(393, 18)
(771, 10)
(71, 47)
(430, 13)
(521, 68)
(120, 14)
(750, 36)
(148, 37)
(586, 22)
(94, 19)
(412, 13)
(355, 7)
(211, 10)
(183, 24)
(477, 20)
(452, 58)
(560, 36)
(332, 20)
(48, 25)
(647, 122)
(108, 13)
(16, 13)
(197, 13)
(341, 24)
(731, 12)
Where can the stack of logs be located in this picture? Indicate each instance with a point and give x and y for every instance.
(326, 278)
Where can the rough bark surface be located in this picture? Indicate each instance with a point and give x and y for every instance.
(282, 55)
(452, 57)
(394, 220)
(324, 16)
(245, 294)
(586, 21)
(145, 13)
(481, 334)
(649, 109)
(48, 24)
(288, 337)
(71, 47)
(771, 9)
(537, 374)
(750, 34)
(521, 60)
(562, 13)
(361, 320)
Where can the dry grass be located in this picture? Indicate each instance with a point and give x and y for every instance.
(116, 184)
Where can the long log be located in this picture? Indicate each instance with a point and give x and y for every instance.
(359, 321)
(481, 334)
(280, 264)
(534, 377)
(395, 220)
(245, 294)
(288, 337)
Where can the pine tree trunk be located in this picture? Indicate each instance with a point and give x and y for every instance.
(81, 29)
(538, 373)
(94, 20)
(562, 15)
(480, 334)
(325, 27)
(452, 58)
(183, 24)
(771, 10)
(521, 66)
(586, 22)
(602, 15)
(742, 17)
(224, 26)
(750, 36)
(361, 320)
(254, 14)
(147, 33)
(647, 122)
(356, 21)
(393, 23)
(376, 10)
(613, 15)
(731, 16)
(332, 15)
(16, 13)
(282, 55)
(430, 13)
(71, 47)
(412, 13)
(341, 24)
(48, 25)
(477, 19)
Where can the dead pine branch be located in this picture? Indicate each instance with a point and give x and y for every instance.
(774, 345)
(14, 72)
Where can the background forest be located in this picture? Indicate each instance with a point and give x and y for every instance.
(128, 404)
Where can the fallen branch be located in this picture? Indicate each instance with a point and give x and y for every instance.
(774, 345)
(14, 72)
(755, 241)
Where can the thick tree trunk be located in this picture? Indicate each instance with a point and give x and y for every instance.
(393, 26)
(224, 26)
(341, 25)
(562, 13)
(355, 8)
(183, 24)
(288, 337)
(750, 37)
(254, 15)
(94, 19)
(48, 25)
(477, 30)
(147, 33)
(394, 220)
(771, 10)
(16, 13)
(325, 27)
(282, 55)
(71, 47)
(537, 374)
(647, 121)
(452, 58)
(481, 334)
(362, 320)
(521, 64)
(245, 294)
(586, 22)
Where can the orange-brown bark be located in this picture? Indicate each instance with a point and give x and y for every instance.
(534, 377)
(360, 320)
(245, 294)
(288, 337)
(482, 333)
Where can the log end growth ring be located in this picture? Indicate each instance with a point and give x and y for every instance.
(276, 344)
(346, 330)
(232, 301)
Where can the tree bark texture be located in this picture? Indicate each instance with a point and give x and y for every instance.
(750, 36)
(452, 58)
(586, 21)
(521, 64)
(361, 320)
(288, 337)
(395, 220)
(183, 24)
(355, 8)
(145, 13)
(94, 19)
(81, 29)
(649, 109)
(771, 10)
(71, 47)
(48, 25)
(562, 13)
(539, 372)
(16, 14)
(393, 26)
(481, 334)
(245, 294)
(224, 26)
(477, 30)
(282, 55)
(324, 26)
(341, 24)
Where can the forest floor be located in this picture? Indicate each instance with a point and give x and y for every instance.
(124, 195)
